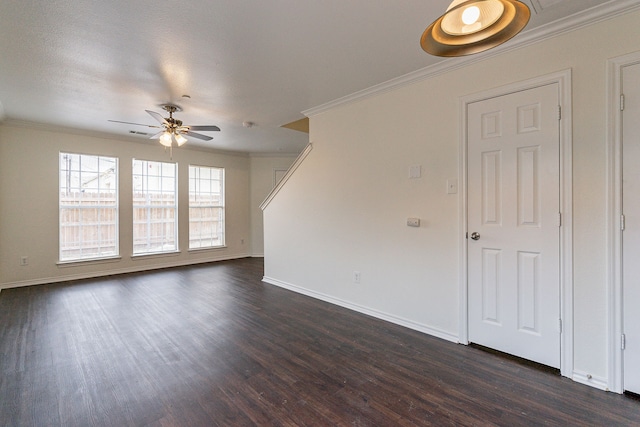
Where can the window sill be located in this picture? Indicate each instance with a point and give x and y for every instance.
(88, 261)
(155, 255)
(210, 248)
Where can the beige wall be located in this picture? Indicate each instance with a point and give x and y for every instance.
(345, 207)
(262, 182)
(29, 204)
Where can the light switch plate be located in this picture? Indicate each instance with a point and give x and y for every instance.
(452, 186)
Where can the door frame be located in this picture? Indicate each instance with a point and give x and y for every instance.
(563, 79)
(614, 216)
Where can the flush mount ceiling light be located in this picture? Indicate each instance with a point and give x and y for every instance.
(472, 26)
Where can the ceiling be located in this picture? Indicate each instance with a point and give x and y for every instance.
(77, 64)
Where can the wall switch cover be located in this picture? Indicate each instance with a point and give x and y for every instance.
(452, 186)
(356, 277)
(413, 222)
(415, 172)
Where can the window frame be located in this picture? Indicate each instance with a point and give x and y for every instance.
(99, 207)
(221, 235)
(147, 206)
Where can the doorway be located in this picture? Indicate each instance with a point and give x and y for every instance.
(514, 225)
(624, 109)
(516, 292)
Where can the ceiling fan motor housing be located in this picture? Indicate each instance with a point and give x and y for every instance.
(174, 122)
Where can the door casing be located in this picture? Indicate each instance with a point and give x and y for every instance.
(563, 79)
(614, 202)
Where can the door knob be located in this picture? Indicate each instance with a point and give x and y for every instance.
(475, 235)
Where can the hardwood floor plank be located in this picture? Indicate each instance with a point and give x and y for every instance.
(211, 345)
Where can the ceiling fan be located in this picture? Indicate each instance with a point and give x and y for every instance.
(173, 129)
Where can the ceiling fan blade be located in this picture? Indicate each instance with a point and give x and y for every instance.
(137, 124)
(198, 135)
(158, 117)
(204, 128)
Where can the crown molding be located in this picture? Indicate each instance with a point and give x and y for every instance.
(576, 21)
(25, 124)
(274, 154)
(105, 135)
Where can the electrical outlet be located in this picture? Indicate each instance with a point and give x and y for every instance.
(356, 277)
(24, 260)
(413, 222)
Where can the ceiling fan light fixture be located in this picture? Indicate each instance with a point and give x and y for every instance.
(180, 139)
(165, 139)
(473, 26)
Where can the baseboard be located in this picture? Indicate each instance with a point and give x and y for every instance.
(590, 380)
(365, 310)
(93, 275)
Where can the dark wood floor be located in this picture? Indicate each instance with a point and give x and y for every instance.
(212, 345)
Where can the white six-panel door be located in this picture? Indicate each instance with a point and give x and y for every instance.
(513, 224)
(631, 234)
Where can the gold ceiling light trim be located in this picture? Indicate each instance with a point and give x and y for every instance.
(473, 26)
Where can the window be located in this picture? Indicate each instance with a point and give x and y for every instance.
(206, 207)
(155, 213)
(88, 207)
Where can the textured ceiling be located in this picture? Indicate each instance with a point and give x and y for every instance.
(77, 64)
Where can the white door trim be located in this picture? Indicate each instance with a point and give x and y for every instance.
(563, 79)
(614, 212)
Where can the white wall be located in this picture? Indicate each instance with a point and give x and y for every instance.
(29, 204)
(345, 207)
(262, 182)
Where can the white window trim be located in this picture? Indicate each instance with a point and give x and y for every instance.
(89, 260)
(222, 206)
(147, 207)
